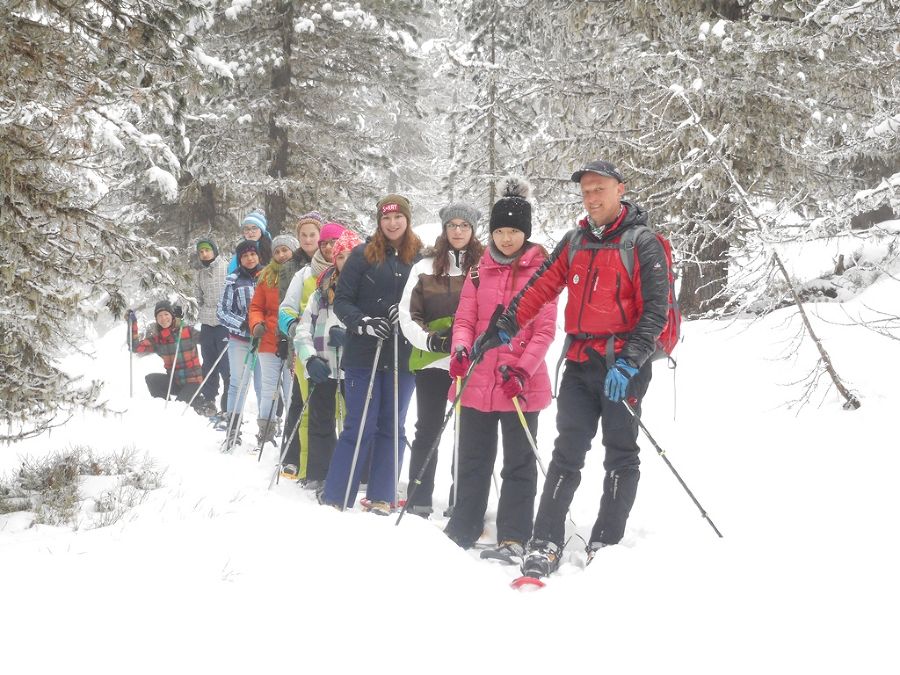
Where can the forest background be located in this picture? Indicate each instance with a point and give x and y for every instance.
(130, 128)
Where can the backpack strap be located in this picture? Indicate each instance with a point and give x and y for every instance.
(473, 275)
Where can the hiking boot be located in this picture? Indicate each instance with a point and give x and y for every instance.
(542, 559)
(313, 485)
(206, 408)
(592, 549)
(267, 430)
(507, 551)
(379, 508)
(421, 511)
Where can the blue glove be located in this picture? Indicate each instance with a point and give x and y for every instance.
(318, 369)
(617, 379)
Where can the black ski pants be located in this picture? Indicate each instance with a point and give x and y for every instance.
(293, 453)
(477, 453)
(158, 386)
(581, 405)
(432, 385)
(322, 435)
(213, 341)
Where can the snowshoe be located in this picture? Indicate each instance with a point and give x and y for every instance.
(206, 409)
(313, 485)
(367, 503)
(289, 472)
(379, 508)
(542, 559)
(508, 552)
(592, 551)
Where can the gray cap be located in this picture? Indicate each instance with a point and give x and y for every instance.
(599, 167)
(463, 211)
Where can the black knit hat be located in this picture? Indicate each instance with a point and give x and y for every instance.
(513, 208)
(244, 246)
(163, 306)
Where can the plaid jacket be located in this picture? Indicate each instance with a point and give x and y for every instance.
(210, 286)
(187, 361)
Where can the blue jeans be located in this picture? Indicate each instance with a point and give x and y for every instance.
(238, 351)
(270, 366)
(377, 438)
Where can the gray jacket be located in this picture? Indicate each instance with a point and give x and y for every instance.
(210, 286)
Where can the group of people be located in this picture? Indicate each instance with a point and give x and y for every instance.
(348, 330)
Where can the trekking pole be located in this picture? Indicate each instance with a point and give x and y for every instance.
(130, 344)
(662, 454)
(174, 361)
(456, 429)
(275, 398)
(362, 423)
(396, 416)
(211, 371)
(284, 446)
(242, 390)
(437, 441)
(339, 399)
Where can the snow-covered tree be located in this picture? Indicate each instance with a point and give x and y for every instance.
(321, 95)
(80, 80)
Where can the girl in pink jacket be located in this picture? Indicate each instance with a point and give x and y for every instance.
(517, 371)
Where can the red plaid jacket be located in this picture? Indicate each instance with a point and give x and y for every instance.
(187, 361)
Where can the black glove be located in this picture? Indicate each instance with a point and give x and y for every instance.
(317, 369)
(500, 331)
(177, 311)
(131, 316)
(378, 327)
(282, 348)
(439, 342)
(336, 336)
(394, 314)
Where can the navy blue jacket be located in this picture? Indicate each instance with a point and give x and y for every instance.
(369, 290)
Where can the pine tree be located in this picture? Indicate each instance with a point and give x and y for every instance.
(79, 82)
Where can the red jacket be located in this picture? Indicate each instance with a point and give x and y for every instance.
(527, 349)
(603, 300)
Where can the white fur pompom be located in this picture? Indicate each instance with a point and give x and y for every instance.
(514, 186)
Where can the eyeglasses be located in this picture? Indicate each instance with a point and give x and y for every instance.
(459, 226)
(325, 243)
(247, 229)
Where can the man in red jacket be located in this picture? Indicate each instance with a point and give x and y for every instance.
(612, 321)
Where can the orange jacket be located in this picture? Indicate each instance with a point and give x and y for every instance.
(264, 308)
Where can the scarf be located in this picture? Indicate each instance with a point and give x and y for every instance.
(319, 264)
(507, 259)
(269, 275)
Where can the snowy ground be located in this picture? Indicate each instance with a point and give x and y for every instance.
(215, 573)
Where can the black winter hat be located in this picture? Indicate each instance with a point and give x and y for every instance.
(163, 306)
(513, 208)
(243, 247)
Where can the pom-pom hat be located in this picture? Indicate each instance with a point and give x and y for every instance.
(513, 208)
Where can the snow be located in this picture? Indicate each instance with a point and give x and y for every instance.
(213, 64)
(214, 572)
(164, 181)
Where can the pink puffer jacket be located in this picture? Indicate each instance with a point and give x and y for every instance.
(527, 349)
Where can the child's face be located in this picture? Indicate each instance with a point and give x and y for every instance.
(341, 259)
(164, 319)
(251, 232)
(250, 259)
(508, 239)
(205, 254)
(282, 254)
(309, 238)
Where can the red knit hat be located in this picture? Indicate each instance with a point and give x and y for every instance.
(348, 241)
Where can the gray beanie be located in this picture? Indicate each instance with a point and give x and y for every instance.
(462, 210)
(288, 240)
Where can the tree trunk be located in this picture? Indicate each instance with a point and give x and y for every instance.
(703, 281)
(276, 200)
